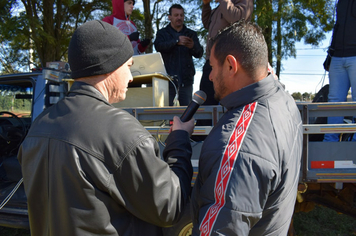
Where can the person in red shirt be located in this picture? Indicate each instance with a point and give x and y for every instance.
(120, 18)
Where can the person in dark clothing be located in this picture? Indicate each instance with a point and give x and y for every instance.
(214, 20)
(92, 169)
(342, 70)
(178, 45)
(250, 162)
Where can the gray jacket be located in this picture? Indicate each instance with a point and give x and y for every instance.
(92, 169)
(249, 164)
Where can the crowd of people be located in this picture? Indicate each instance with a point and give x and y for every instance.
(90, 168)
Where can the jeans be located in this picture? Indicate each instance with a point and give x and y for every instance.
(207, 86)
(342, 76)
(185, 94)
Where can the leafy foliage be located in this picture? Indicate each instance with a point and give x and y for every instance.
(303, 97)
(297, 96)
(39, 31)
(286, 22)
(33, 32)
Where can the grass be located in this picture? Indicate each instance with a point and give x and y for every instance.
(14, 232)
(321, 221)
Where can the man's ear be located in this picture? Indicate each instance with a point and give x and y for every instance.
(232, 64)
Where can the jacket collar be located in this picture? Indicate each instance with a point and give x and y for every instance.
(251, 93)
(169, 27)
(82, 88)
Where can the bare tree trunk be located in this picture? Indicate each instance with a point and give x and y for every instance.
(148, 22)
(46, 41)
(265, 20)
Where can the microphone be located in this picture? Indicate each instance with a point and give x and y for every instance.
(199, 98)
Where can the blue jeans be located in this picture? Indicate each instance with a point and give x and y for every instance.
(185, 95)
(207, 86)
(342, 76)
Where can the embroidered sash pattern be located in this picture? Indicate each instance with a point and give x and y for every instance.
(226, 166)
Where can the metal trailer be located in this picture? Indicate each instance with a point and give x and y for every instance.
(327, 177)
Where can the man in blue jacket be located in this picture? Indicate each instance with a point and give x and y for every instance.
(178, 45)
(249, 163)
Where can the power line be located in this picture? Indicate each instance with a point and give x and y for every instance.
(282, 73)
(311, 55)
(312, 48)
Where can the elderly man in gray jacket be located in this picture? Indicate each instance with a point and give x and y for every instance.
(92, 169)
(249, 163)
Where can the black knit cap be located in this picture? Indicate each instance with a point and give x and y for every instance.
(97, 48)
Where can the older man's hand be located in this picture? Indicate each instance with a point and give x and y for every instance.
(179, 125)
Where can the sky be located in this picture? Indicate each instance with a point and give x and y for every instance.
(305, 73)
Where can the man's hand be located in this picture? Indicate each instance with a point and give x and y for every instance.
(179, 125)
(206, 2)
(186, 41)
(190, 43)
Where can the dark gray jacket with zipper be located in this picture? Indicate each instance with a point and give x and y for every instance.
(92, 169)
(249, 164)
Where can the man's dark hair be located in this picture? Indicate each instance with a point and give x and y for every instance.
(245, 41)
(177, 6)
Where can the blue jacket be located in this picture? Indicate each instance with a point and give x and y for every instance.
(249, 164)
(178, 59)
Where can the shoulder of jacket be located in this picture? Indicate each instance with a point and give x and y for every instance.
(164, 29)
(188, 29)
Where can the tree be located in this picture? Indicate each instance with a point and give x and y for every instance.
(283, 22)
(306, 96)
(40, 31)
(36, 32)
(286, 22)
(297, 96)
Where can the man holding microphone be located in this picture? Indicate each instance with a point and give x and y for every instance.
(92, 169)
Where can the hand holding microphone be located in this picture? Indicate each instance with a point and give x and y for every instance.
(179, 125)
(186, 122)
(199, 98)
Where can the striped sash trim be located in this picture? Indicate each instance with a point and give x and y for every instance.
(226, 166)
